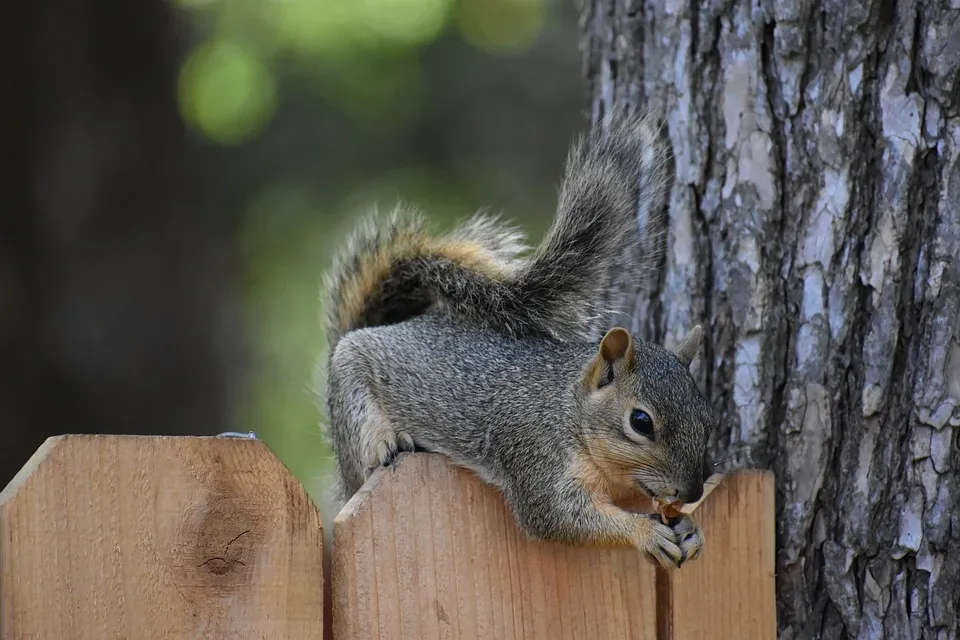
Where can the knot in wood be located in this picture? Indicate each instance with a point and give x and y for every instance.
(224, 539)
(231, 559)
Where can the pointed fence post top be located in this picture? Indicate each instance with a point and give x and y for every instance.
(198, 536)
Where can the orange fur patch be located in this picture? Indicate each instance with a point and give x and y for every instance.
(590, 475)
(591, 378)
(623, 527)
(466, 254)
(611, 464)
(375, 268)
(600, 474)
(618, 344)
(625, 530)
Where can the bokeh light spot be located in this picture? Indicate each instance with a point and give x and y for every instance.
(407, 21)
(225, 92)
(508, 26)
(312, 26)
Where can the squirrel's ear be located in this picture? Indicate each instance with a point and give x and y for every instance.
(616, 345)
(689, 347)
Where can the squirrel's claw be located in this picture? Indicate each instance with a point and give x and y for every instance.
(405, 442)
(671, 545)
(661, 545)
(388, 448)
(689, 536)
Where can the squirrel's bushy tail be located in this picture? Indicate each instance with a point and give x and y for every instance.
(610, 214)
(392, 271)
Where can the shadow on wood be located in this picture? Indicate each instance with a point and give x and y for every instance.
(158, 537)
(426, 550)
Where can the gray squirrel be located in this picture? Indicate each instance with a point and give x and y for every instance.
(472, 346)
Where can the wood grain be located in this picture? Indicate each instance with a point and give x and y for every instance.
(106, 537)
(729, 592)
(425, 550)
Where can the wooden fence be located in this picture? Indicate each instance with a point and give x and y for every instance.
(110, 537)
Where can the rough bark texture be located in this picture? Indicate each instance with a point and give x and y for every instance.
(815, 229)
(113, 263)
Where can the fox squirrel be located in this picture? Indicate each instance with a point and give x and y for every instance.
(460, 345)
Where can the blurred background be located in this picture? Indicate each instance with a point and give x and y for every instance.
(180, 173)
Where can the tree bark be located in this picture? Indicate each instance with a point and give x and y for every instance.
(815, 230)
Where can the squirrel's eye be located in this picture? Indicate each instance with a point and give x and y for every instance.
(642, 423)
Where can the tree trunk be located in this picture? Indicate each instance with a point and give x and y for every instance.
(815, 231)
(113, 266)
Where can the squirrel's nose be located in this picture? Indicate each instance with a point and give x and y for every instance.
(691, 494)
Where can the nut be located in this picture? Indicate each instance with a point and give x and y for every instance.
(668, 510)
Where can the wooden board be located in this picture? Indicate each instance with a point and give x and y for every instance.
(729, 593)
(106, 537)
(428, 551)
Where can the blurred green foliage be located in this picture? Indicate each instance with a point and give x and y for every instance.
(333, 106)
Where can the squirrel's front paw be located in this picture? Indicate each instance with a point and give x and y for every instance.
(659, 543)
(387, 448)
(689, 536)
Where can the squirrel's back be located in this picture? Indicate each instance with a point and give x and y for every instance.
(455, 382)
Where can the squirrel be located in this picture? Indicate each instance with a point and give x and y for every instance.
(473, 346)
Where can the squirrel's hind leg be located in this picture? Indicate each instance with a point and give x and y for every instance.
(380, 442)
(368, 438)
